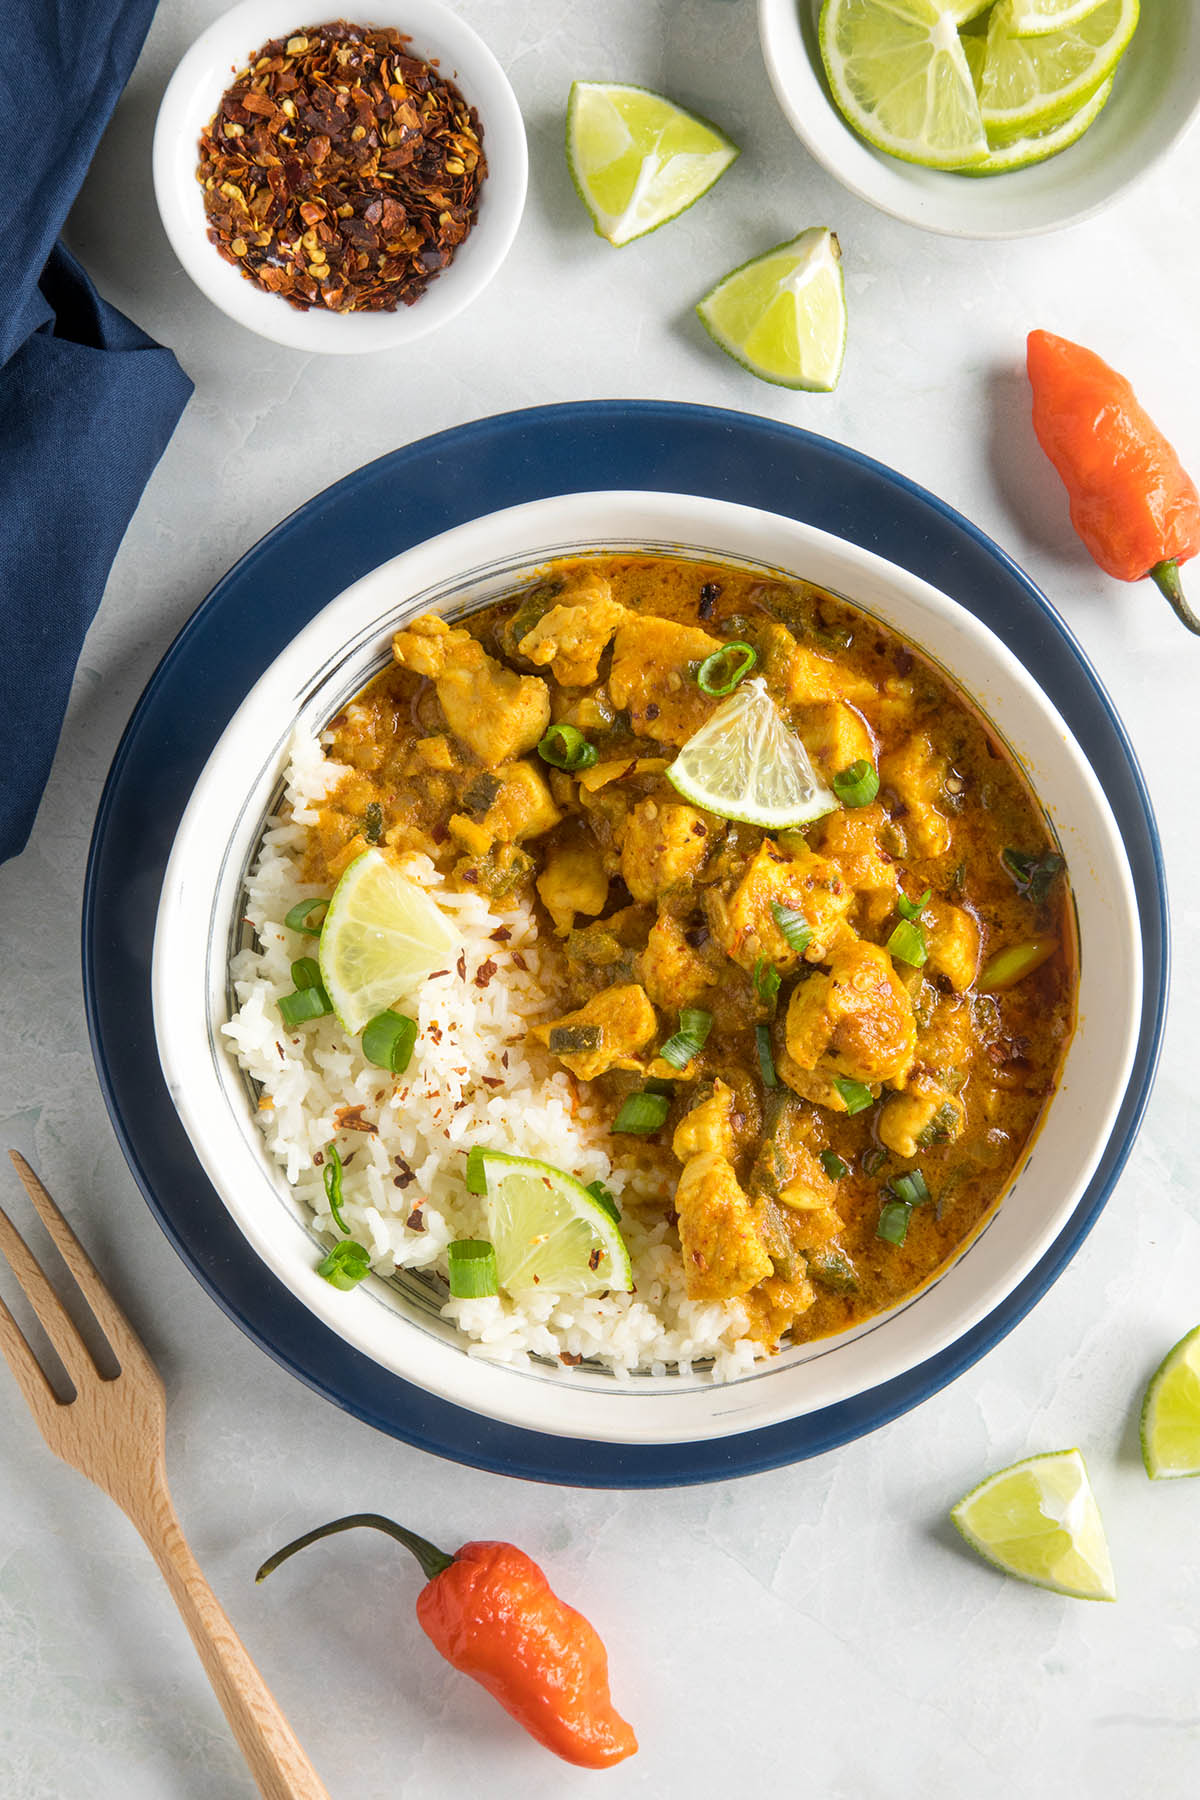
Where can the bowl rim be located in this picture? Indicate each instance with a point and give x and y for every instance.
(189, 99)
(182, 1075)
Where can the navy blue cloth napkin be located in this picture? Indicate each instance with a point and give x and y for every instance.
(87, 400)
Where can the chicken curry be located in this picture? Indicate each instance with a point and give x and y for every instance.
(837, 1041)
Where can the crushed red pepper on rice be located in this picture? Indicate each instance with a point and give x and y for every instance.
(339, 170)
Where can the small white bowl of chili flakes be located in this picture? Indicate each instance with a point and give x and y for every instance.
(345, 185)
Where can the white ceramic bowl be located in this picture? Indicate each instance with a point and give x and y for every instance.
(397, 1323)
(1155, 98)
(192, 96)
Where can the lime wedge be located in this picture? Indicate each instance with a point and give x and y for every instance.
(900, 77)
(381, 937)
(783, 315)
(637, 159)
(745, 763)
(1171, 1413)
(1033, 84)
(547, 1231)
(1039, 1520)
(1023, 152)
(1030, 18)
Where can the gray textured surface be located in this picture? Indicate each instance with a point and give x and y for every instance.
(822, 1620)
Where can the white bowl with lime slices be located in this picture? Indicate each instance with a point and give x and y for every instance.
(1109, 93)
(398, 1323)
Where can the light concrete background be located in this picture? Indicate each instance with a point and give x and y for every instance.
(817, 1630)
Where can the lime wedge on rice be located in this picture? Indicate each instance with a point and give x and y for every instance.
(1171, 1413)
(381, 937)
(637, 159)
(1030, 18)
(899, 75)
(547, 1231)
(744, 763)
(1022, 152)
(783, 315)
(1039, 1520)
(1033, 84)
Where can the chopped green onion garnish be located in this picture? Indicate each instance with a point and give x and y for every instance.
(601, 1195)
(305, 1003)
(857, 1098)
(907, 943)
(833, 1165)
(766, 982)
(857, 785)
(300, 917)
(945, 1123)
(794, 927)
(565, 747)
(476, 1172)
(387, 1041)
(346, 1265)
(1009, 966)
(910, 1187)
(893, 1222)
(1034, 875)
(373, 822)
(306, 972)
(873, 1160)
(331, 1175)
(766, 1060)
(912, 909)
(694, 1027)
(721, 672)
(642, 1113)
(472, 1269)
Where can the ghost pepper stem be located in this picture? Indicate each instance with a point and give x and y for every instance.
(1165, 576)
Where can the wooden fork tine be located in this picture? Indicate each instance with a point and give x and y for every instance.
(28, 1371)
(59, 1326)
(125, 1342)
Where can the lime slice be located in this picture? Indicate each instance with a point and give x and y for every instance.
(1171, 1413)
(1032, 84)
(1023, 152)
(637, 159)
(745, 764)
(548, 1232)
(783, 315)
(381, 937)
(1030, 18)
(900, 77)
(1039, 1520)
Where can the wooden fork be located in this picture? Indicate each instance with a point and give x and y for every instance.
(114, 1432)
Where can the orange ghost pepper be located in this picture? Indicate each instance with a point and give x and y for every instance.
(491, 1612)
(1132, 503)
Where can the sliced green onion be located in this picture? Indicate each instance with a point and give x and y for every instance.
(387, 1041)
(833, 1165)
(373, 822)
(346, 1265)
(305, 1003)
(476, 1172)
(306, 972)
(766, 1059)
(857, 785)
(945, 1124)
(910, 1187)
(331, 1175)
(912, 909)
(1034, 875)
(472, 1269)
(794, 927)
(893, 1223)
(857, 1098)
(565, 747)
(766, 982)
(721, 672)
(1009, 966)
(642, 1113)
(694, 1027)
(601, 1195)
(873, 1160)
(300, 916)
(907, 943)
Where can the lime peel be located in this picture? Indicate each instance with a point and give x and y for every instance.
(744, 763)
(637, 159)
(782, 315)
(547, 1230)
(1170, 1422)
(1038, 1519)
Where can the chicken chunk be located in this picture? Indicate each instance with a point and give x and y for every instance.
(917, 774)
(856, 1020)
(924, 1114)
(708, 1127)
(835, 735)
(605, 1034)
(787, 1173)
(744, 922)
(663, 847)
(519, 807)
(573, 635)
(573, 878)
(496, 713)
(799, 676)
(653, 675)
(952, 943)
(722, 1253)
(673, 972)
(850, 839)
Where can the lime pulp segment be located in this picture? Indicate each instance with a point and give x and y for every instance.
(1039, 1520)
(1030, 18)
(1023, 152)
(744, 763)
(381, 937)
(1033, 84)
(783, 315)
(548, 1232)
(1171, 1413)
(637, 159)
(899, 75)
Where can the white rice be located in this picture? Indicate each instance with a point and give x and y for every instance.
(472, 1080)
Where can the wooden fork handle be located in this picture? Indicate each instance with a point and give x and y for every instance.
(272, 1751)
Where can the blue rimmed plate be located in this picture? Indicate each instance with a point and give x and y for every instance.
(339, 537)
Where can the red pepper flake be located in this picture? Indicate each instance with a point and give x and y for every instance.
(594, 1260)
(492, 1081)
(341, 171)
(406, 1177)
(439, 832)
(435, 1032)
(350, 1118)
(415, 1220)
(484, 973)
(504, 1059)
(461, 966)
(501, 934)
(572, 1358)
(437, 974)
(519, 960)
(710, 593)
